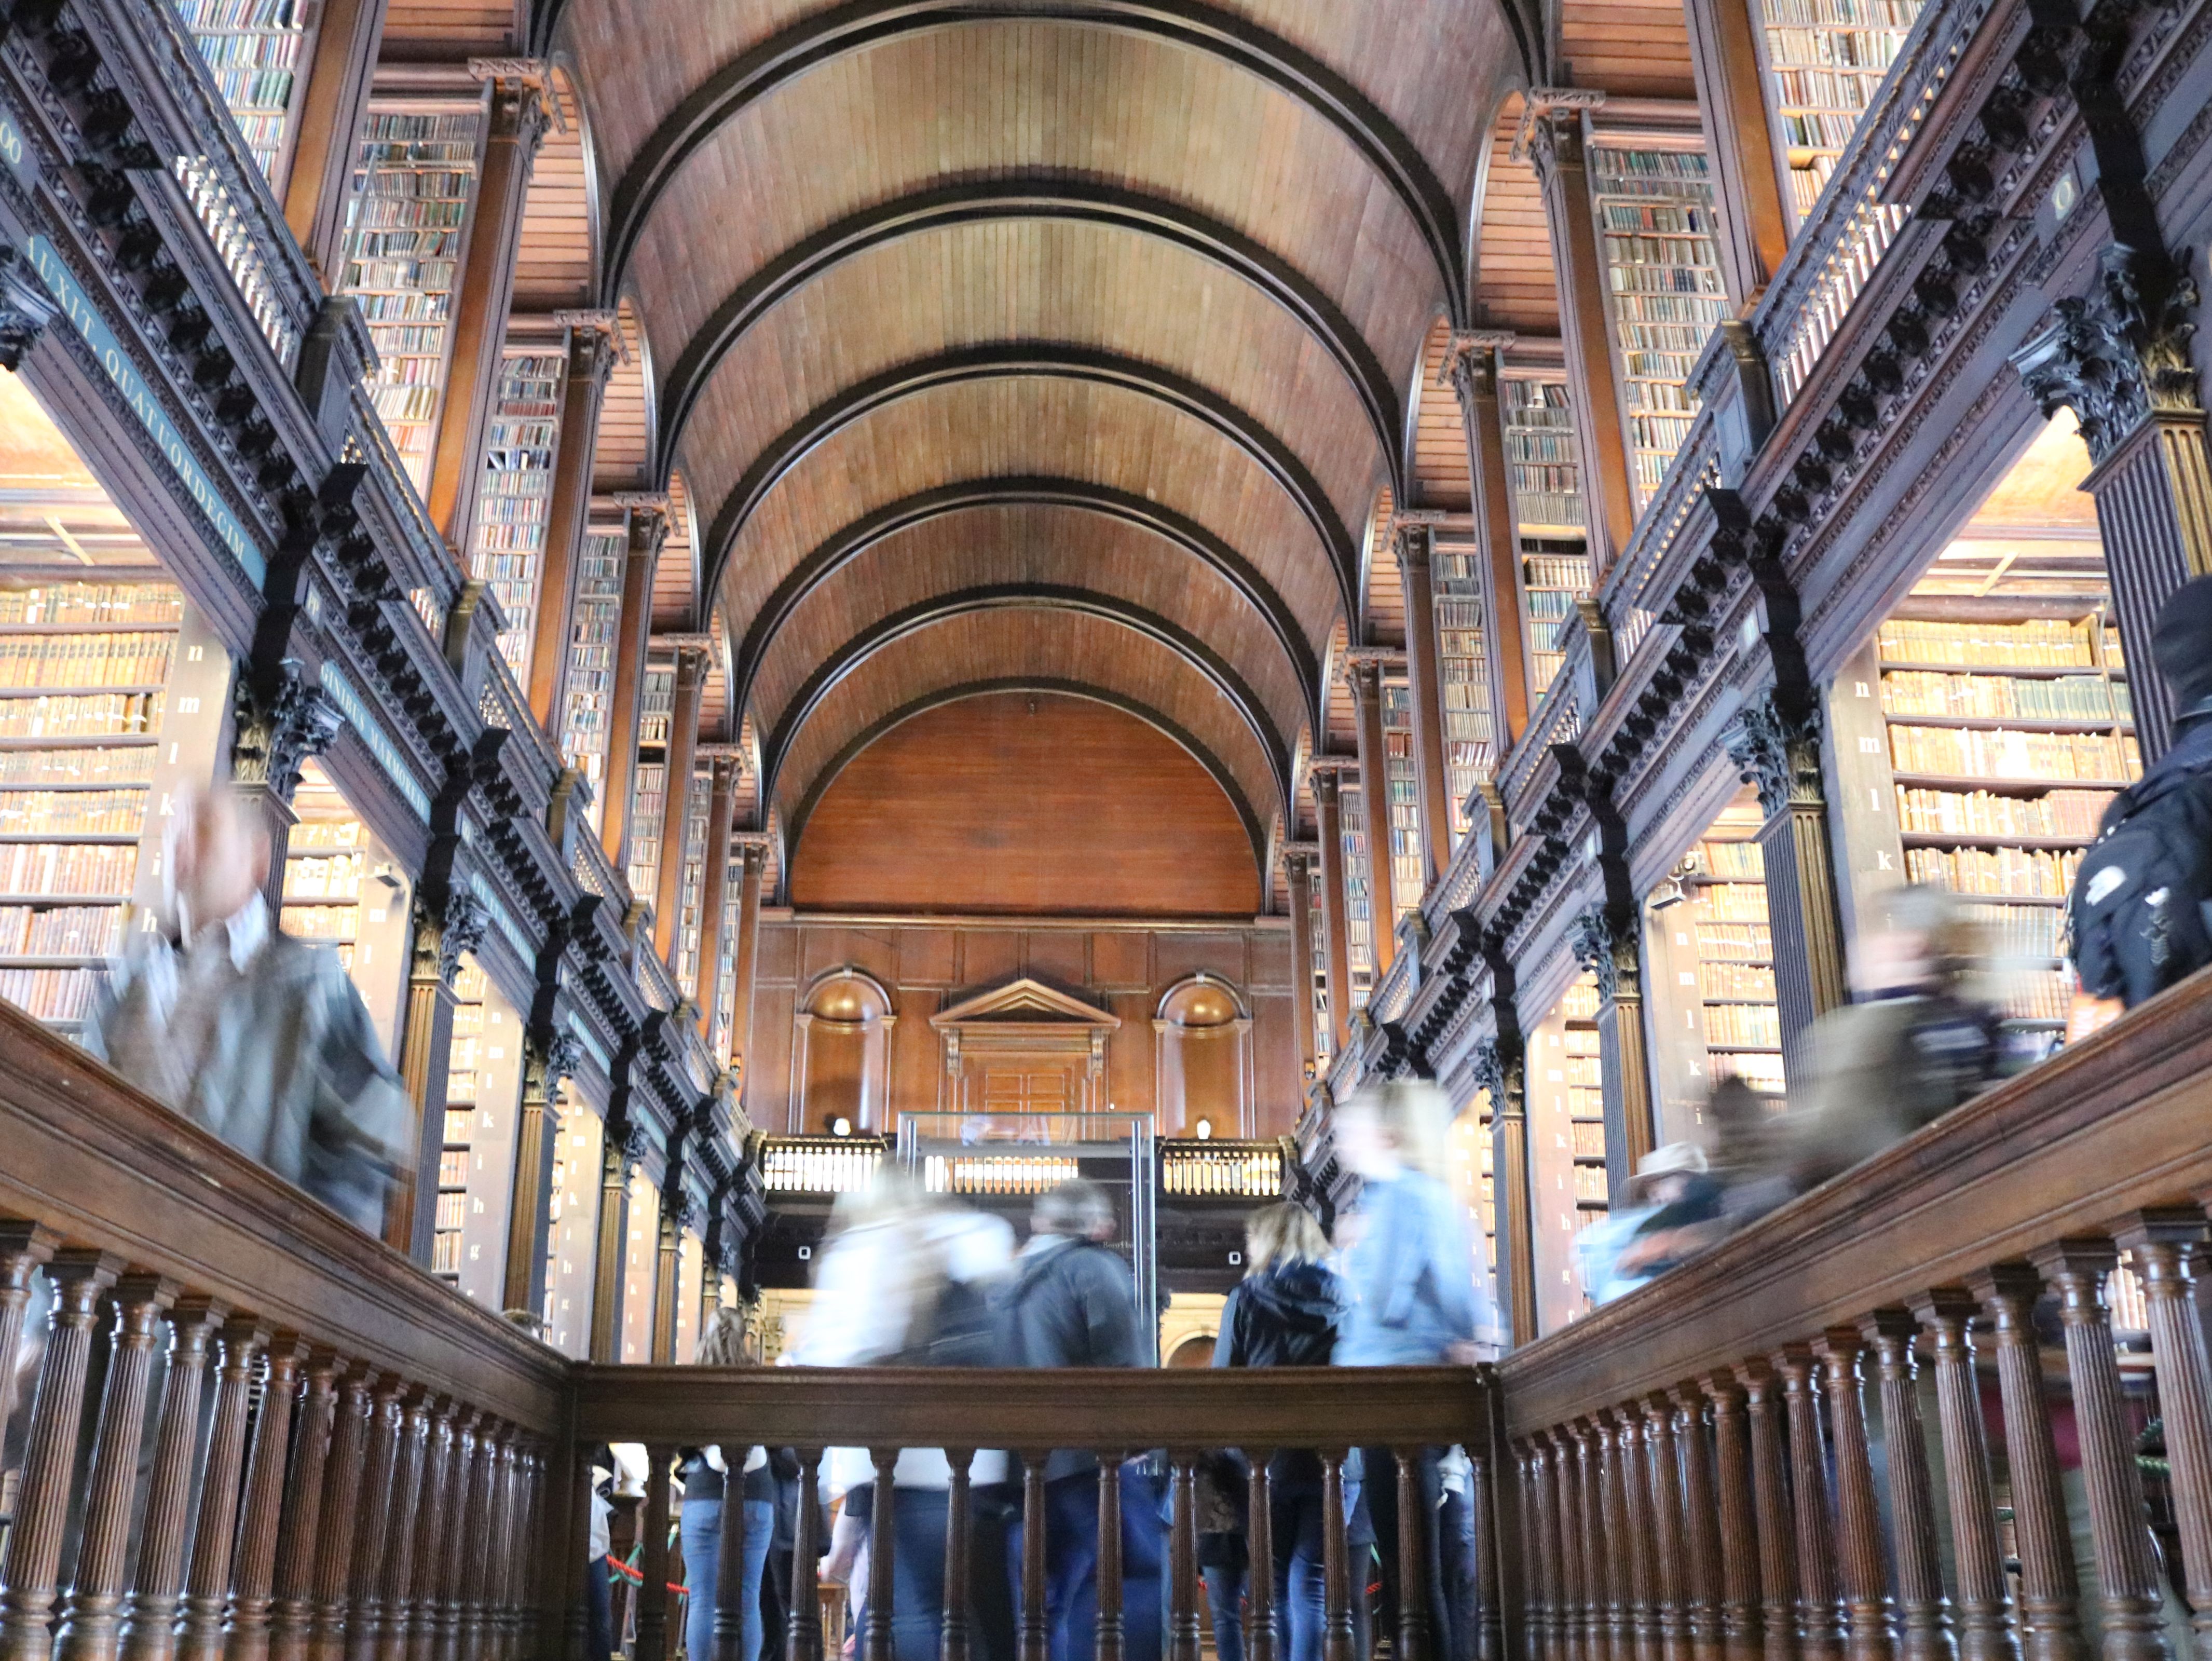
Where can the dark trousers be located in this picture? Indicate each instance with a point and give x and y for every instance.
(598, 1613)
(1456, 1529)
(1071, 1564)
(1381, 1476)
(918, 1522)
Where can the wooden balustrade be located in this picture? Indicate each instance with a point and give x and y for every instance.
(1756, 1521)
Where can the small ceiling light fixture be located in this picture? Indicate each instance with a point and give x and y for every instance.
(1204, 1131)
(841, 1126)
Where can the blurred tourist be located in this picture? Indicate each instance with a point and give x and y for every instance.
(1288, 1311)
(1416, 1299)
(1609, 1255)
(255, 1035)
(707, 1480)
(1072, 1302)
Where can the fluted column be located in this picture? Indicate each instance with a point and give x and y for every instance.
(619, 1153)
(24, 1248)
(291, 1619)
(1701, 1530)
(648, 530)
(546, 1062)
(1984, 1631)
(214, 1536)
(364, 1636)
(1738, 1519)
(1642, 1573)
(342, 1494)
(2160, 1243)
(1363, 673)
(395, 1581)
(1754, 226)
(1870, 1615)
(1782, 759)
(245, 1625)
(1578, 267)
(1819, 1607)
(744, 958)
(481, 302)
(148, 1631)
(1413, 537)
(1770, 1489)
(594, 345)
(683, 749)
(1664, 1480)
(715, 894)
(1926, 1614)
(1298, 869)
(1328, 812)
(443, 935)
(1471, 365)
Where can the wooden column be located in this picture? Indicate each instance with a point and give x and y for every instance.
(746, 959)
(1871, 1616)
(1770, 1490)
(1925, 1614)
(89, 1622)
(648, 529)
(1609, 945)
(291, 1616)
(1820, 1608)
(42, 1496)
(469, 1436)
(715, 893)
(396, 1579)
(365, 1618)
(594, 347)
(1620, 1588)
(24, 1248)
(653, 1594)
(341, 1488)
(246, 1627)
(1641, 1574)
(1739, 1524)
(1578, 266)
(148, 1629)
(442, 935)
(1600, 1545)
(1664, 1492)
(681, 752)
(320, 173)
(1984, 1631)
(1505, 1076)
(1540, 1520)
(619, 1153)
(473, 1563)
(481, 301)
(1564, 1484)
(2160, 1243)
(1754, 225)
(2052, 1627)
(546, 1061)
(1782, 758)
(1299, 867)
(1364, 674)
(1413, 537)
(2127, 1574)
(1701, 1529)
(667, 1264)
(1471, 365)
(1328, 812)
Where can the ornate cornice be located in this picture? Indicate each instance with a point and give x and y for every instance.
(2120, 354)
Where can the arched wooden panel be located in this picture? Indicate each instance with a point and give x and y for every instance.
(1030, 802)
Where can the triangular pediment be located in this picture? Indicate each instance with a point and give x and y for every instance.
(1023, 1002)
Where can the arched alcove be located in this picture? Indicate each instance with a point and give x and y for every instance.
(843, 1052)
(1203, 1030)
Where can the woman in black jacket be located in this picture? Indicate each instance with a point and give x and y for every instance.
(1287, 1313)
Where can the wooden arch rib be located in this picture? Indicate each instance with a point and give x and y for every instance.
(1254, 822)
(861, 23)
(823, 563)
(978, 202)
(1040, 361)
(913, 619)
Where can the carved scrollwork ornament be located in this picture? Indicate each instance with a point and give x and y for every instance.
(554, 1062)
(1779, 755)
(1605, 949)
(1499, 1073)
(279, 727)
(2120, 354)
(443, 937)
(25, 307)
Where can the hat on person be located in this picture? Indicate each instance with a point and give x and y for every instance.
(1675, 1159)
(2181, 641)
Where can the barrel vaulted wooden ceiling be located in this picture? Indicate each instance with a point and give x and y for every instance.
(1078, 345)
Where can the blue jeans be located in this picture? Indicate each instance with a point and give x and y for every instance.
(1225, 1602)
(1301, 1586)
(703, 1558)
(1071, 1564)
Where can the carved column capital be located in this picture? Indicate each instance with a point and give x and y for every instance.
(444, 934)
(1781, 756)
(1606, 947)
(27, 306)
(1471, 363)
(278, 726)
(1498, 1071)
(1412, 536)
(544, 1066)
(2120, 353)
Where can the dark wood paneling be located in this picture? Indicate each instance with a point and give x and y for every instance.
(1121, 960)
(928, 957)
(1057, 955)
(988, 955)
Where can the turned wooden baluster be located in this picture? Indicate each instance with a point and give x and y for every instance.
(503, 1613)
(468, 1522)
(291, 1616)
(876, 1634)
(1597, 1555)
(1769, 1494)
(149, 1631)
(2127, 1574)
(1984, 1631)
(215, 1537)
(1620, 1579)
(253, 1571)
(1924, 1614)
(1113, 1635)
(1636, 1512)
(1546, 1611)
(1532, 1556)
(1865, 1579)
(395, 1591)
(1259, 1550)
(1739, 1524)
(436, 1511)
(96, 1601)
(475, 1560)
(1701, 1533)
(533, 1564)
(1819, 1602)
(42, 1499)
(652, 1561)
(1184, 1634)
(1564, 1490)
(2160, 1242)
(1414, 1638)
(802, 1637)
(577, 1573)
(1036, 1638)
(364, 1626)
(952, 1644)
(730, 1598)
(1337, 1640)
(342, 1495)
(1663, 1499)
(1490, 1640)
(2048, 1587)
(24, 1248)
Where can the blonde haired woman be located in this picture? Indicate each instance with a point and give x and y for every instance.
(706, 1482)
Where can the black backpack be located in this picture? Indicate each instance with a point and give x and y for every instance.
(2141, 913)
(958, 1330)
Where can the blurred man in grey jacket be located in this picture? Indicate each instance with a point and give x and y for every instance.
(255, 1035)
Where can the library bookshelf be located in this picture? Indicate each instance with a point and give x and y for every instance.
(1544, 469)
(407, 208)
(257, 50)
(507, 546)
(1823, 60)
(1408, 866)
(592, 661)
(462, 1071)
(1470, 748)
(1359, 919)
(1726, 903)
(1653, 198)
(1324, 1025)
(1585, 1083)
(649, 796)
